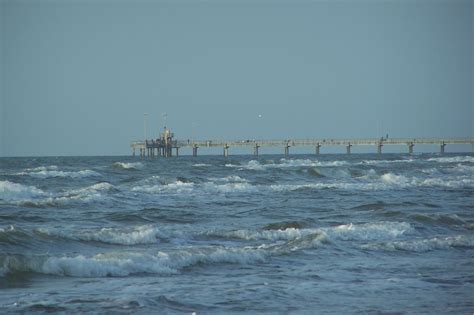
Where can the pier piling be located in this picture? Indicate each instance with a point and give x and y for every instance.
(287, 150)
(442, 146)
(318, 147)
(226, 150)
(348, 148)
(410, 147)
(255, 149)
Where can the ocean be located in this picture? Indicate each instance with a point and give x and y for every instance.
(361, 233)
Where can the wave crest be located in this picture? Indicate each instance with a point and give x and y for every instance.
(12, 191)
(128, 166)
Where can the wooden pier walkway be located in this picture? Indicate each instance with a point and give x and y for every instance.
(165, 147)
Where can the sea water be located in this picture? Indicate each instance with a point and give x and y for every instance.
(319, 234)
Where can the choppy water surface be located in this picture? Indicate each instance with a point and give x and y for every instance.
(335, 233)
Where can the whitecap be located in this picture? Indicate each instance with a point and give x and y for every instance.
(230, 187)
(454, 159)
(361, 232)
(146, 234)
(369, 231)
(287, 163)
(425, 245)
(128, 166)
(55, 173)
(229, 179)
(175, 187)
(393, 179)
(42, 168)
(12, 191)
(121, 264)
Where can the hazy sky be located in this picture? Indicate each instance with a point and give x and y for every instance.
(77, 76)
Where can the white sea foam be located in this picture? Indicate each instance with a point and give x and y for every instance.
(178, 187)
(360, 232)
(45, 173)
(146, 234)
(175, 187)
(377, 162)
(12, 191)
(85, 194)
(89, 192)
(230, 187)
(425, 245)
(454, 159)
(229, 179)
(369, 231)
(393, 179)
(201, 165)
(285, 164)
(42, 168)
(122, 264)
(127, 166)
(334, 172)
(272, 235)
(462, 169)
(330, 185)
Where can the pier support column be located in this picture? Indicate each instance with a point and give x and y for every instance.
(441, 147)
(348, 148)
(226, 150)
(195, 150)
(177, 151)
(133, 152)
(255, 149)
(287, 150)
(379, 148)
(318, 147)
(410, 147)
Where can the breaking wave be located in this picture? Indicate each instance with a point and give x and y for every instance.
(176, 187)
(44, 172)
(359, 232)
(121, 264)
(454, 159)
(130, 236)
(12, 191)
(128, 166)
(34, 197)
(284, 164)
(425, 245)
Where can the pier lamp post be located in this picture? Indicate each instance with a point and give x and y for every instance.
(163, 116)
(193, 131)
(144, 123)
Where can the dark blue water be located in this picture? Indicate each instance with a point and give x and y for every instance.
(327, 234)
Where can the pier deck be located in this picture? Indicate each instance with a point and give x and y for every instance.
(148, 147)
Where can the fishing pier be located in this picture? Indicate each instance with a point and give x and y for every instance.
(166, 144)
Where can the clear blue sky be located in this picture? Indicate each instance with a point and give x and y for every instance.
(77, 76)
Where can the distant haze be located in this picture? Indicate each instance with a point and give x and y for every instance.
(78, 76)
